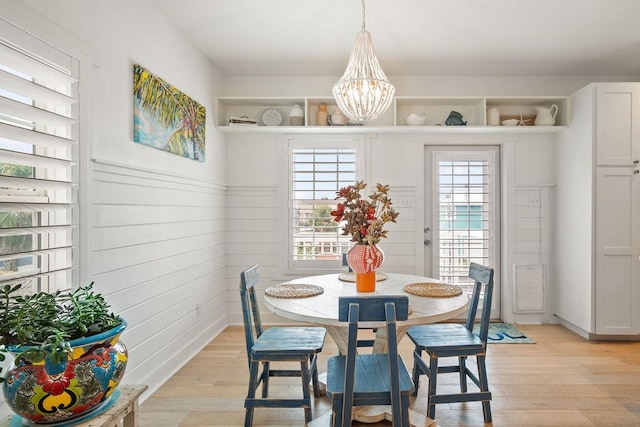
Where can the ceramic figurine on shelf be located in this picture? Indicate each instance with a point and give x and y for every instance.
(455, 119)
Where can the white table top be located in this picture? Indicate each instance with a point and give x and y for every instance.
(323, 309)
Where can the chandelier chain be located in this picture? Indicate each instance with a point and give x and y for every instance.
(363, 16)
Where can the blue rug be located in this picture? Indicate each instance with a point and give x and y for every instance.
(505, 333)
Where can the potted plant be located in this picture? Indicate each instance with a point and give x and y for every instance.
(68, 357)
(364, 220)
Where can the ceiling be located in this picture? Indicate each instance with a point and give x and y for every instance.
(415, 37)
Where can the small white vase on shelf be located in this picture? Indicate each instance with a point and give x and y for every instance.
(296, 116)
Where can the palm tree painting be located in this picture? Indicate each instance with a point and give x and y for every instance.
(166, 118)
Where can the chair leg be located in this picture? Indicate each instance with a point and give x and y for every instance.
(433, 382)
(417, 353)
(265, 379)
(306, 379)
(462, 363)
(336, 411)
(484, 386)
(251, 393)
(314, 375)
(405, 411)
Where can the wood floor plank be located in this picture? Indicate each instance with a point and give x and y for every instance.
(562, 380)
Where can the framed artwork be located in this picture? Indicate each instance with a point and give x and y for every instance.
(165, 118)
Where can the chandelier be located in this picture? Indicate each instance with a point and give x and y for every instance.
(363, 93)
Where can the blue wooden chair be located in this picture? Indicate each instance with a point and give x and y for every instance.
(369, 379)
(456, 340)
(277, 344)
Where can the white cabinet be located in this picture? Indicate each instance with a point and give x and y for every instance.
(617, 214)
(597, 238)
(617, 124)
(437, 109)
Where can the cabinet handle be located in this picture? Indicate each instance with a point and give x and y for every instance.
(636, 172)
(635, 162)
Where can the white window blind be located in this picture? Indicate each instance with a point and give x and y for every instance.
(464, 217)
(38, 162)
(317, 174)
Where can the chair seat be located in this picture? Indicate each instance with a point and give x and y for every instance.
(372, 375)
(446, 338)
(292, 341)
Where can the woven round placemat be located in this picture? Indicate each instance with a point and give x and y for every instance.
(351, 277)
(432, 289)
(293, 290)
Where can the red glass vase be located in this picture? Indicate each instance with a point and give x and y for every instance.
(365, 260)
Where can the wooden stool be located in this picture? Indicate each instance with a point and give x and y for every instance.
(125, 410)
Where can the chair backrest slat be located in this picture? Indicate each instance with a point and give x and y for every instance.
(250, 310)
(483, 278)
(373, 308)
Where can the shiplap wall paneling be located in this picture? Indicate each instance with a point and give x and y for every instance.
(253, 237)
(158, 253)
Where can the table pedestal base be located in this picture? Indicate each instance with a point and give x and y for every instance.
(374, 414)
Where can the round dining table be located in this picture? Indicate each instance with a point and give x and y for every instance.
(322, 309)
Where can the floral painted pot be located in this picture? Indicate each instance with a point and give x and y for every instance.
(365, 260)
(46, 392)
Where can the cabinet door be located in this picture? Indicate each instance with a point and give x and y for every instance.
(617, 217)
(617, 133)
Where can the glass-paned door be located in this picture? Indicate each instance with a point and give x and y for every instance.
(462, 225)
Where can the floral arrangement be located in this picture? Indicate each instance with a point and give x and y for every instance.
(365, 219)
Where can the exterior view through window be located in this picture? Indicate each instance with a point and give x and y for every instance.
(462, 225)
(317, 174)
(464, 221)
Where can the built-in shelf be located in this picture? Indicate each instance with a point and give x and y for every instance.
(437, 109)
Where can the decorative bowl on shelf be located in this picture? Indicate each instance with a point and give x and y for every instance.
(415, 120)
(510, 122)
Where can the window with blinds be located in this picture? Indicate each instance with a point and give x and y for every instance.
(317, 174)
(464, 213)
(38, 162)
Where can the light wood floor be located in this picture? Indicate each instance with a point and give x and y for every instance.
(562, 380)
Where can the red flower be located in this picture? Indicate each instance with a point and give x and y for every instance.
(339, 212)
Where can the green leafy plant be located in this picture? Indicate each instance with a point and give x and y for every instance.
(42, 324)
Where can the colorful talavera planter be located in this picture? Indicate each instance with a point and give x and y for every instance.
(45, 392)
(365, 260)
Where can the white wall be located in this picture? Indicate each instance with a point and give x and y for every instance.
(465, 86)
(257, 174)
(153, 223)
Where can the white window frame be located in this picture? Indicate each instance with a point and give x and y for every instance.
(357, 142)
(57, 247)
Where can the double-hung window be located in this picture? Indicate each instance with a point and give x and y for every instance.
(318, 168)
(38, 162)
